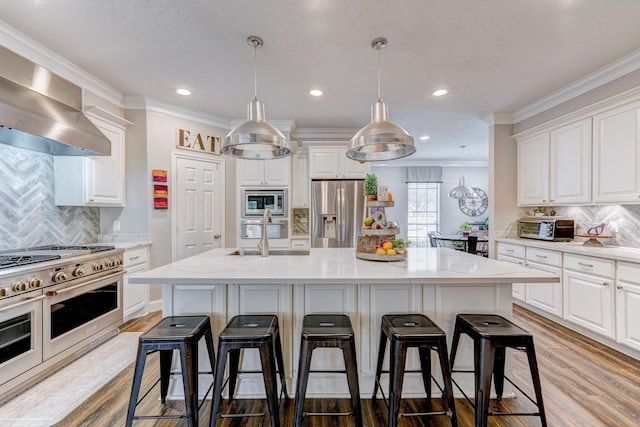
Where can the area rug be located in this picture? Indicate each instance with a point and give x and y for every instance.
(55, 397)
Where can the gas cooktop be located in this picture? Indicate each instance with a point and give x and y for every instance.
(18, 257)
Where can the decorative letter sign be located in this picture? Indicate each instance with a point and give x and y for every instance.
(199, 142)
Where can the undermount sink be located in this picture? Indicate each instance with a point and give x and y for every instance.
(253, 252)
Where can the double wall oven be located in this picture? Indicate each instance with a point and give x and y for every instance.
(55, 301)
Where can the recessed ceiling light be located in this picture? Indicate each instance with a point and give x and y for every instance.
(440, 92)
(424, 137)
(315, 92)
(183, 92)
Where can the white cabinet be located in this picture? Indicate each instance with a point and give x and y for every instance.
(628, 304)
(545, 296)
(570, 163)
(94, 180)
(515, 254)
(533, 170)
(616, 155)
(588, 293)
(555, 167)
(333, 163)
(300, 180)
(135, 297)
(264, 172)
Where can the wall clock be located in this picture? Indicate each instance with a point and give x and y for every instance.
(474, 206)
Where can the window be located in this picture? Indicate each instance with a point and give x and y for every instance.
(423, 212)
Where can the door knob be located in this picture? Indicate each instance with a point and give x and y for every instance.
(216, 236)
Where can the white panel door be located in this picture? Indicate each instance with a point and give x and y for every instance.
(198, 205)
(570, 163)
(533, 170)
(588, 302)
(545, 296)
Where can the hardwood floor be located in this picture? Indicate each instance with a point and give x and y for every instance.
(584, 384)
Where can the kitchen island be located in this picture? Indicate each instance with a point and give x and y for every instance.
(438, 282)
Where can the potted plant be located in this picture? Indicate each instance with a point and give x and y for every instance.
(539, 211)
(400, 245)
(371, 186)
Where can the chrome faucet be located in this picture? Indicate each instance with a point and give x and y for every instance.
(263, 244)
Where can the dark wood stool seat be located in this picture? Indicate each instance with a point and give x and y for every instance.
(491, 335)
(327, 330)
(180, 333)
(405, 331)
(260, 331)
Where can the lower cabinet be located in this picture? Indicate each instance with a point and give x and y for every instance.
(515, 254)
(628, 305)
(588, 293)
(545, 296)
(135, 297)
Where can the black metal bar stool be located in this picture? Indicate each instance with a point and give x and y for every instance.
(491, 335)
(327, 330)
(418, 331)
(250, 331)
(180, 333)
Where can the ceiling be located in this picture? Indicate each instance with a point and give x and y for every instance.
(492, 55)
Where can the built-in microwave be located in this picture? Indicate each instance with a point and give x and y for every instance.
(552, 229)
(256, 201)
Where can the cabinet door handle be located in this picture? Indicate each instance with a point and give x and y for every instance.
(585, 265)
(216, 236)
(605, 283)
(618, 287)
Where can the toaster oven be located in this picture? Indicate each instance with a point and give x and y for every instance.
(551, 229)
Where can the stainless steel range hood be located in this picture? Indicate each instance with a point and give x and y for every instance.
(43, 112)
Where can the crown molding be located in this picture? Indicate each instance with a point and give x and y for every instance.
(324, 134)
(499, 119)
(606, 74)
(17, 42)
(137, 102)
(427, 162)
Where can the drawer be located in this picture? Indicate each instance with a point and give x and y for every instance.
(516, 251)
(543, 256)
(300, 244)
(135, 256)
(628, 272)
(583, 264)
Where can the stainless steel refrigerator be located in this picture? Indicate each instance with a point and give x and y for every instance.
(337, 209)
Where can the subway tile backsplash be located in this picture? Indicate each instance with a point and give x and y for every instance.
(28, 215)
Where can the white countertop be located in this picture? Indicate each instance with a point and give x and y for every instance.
(576, 247)
(322, 266)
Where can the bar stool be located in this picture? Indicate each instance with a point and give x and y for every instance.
(327, 330)
(250, 331)
(180, 333)
(418, 331)
(491, 335)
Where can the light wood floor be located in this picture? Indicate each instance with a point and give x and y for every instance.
(584, 384)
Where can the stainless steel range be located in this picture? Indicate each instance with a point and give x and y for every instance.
(56, 302)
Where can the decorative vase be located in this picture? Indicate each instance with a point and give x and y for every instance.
(372, 197)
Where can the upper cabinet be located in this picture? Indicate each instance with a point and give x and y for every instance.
(554, 167)
(333, 163)
(616, 155)
(264, 172)
(94, 180)
(300, 180)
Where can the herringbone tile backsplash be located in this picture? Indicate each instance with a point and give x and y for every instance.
(28, 215)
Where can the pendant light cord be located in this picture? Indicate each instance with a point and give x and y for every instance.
(378, 74)
(255, 70)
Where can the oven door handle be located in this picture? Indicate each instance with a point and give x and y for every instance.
(21, 303)
(81, 285)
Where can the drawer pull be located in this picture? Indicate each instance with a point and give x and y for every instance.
(541, 256)
(133, 258)
(585, 265)
(508, 250)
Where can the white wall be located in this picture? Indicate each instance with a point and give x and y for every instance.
(450, 214)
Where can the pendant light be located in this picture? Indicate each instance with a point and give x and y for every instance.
(256, 139)
(380, 139)
(462, 191)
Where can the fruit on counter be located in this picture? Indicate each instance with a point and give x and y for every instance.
(391, 251)
(368, 221)
(386, 245)
(381, 251)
